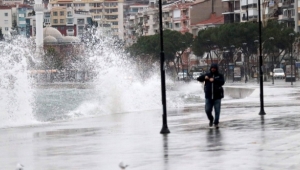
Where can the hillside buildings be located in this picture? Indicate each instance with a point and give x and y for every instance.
(129, 19)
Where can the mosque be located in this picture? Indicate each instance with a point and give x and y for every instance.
(63, 45)
(66, 48)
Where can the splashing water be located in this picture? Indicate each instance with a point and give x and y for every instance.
(120, 82)
(16, 100)
(121, 85)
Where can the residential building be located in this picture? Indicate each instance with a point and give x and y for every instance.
(107, 13)
(47, 17)
(288, 13)
(59, 20)
(249, 11)
(189, 16)
(213, 21)
(131, 24)
(6, 19)
(68, 21)
(22, 12)
(232, 10)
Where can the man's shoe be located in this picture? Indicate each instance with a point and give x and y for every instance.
(210, 123)
(217, 126)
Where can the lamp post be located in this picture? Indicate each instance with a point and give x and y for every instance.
(291, 50)
(256, 42)
(232, 49)
(208, 55)
(165, 129)
(272, 39)
(262, 111)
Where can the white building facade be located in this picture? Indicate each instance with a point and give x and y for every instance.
(6, 20)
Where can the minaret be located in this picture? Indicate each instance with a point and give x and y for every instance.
(39, 17)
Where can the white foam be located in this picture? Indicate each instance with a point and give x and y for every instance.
(16, 100)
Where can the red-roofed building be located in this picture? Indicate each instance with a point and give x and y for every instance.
(207, 13)
(213, 21)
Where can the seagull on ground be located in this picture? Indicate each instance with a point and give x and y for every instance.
(19, 166)
(122, 165)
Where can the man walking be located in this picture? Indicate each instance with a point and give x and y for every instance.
(213, 93)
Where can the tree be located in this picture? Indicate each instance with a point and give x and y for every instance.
(149, 46)
(238, 33)
(174, 41)
(51, 59)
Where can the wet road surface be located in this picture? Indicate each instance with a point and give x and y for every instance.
(245, 140)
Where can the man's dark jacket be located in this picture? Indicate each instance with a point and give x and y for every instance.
(213, 90)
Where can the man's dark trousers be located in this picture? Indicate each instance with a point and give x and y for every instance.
(209, 105)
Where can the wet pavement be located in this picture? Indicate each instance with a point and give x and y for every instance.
(245, 140)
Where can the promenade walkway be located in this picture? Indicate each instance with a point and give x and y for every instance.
(245, 140)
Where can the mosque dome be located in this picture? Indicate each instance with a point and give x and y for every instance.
(76, 39)
(50, 39)
(68, 39)
(50, 31)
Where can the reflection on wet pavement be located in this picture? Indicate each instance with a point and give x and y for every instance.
(245, 140)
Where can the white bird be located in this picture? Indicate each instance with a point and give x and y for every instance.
(122, 166)
(20, 166)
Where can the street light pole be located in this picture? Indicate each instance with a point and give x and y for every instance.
(272, 39)
(256, 42)
(262, 111)
(245, 63)
(165, 129)
(291, 35)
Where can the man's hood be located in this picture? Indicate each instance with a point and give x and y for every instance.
(214, 65)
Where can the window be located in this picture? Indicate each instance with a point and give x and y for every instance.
(80, 28)
(54, 13)
(47, 14)
(62, 21)
(6, 28)
(6, 14)
(62, 13)
(69, 14)
(55, 21)
(80, 21)
(114, 10)
(70, 21)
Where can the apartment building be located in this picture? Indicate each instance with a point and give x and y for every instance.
(59, 20)
(107, 13)
(132, 25)
(82, 19)
(23, 11)
(6, 19)
(182, 16)
(68, 21)
(288, 14)
(47, 17)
